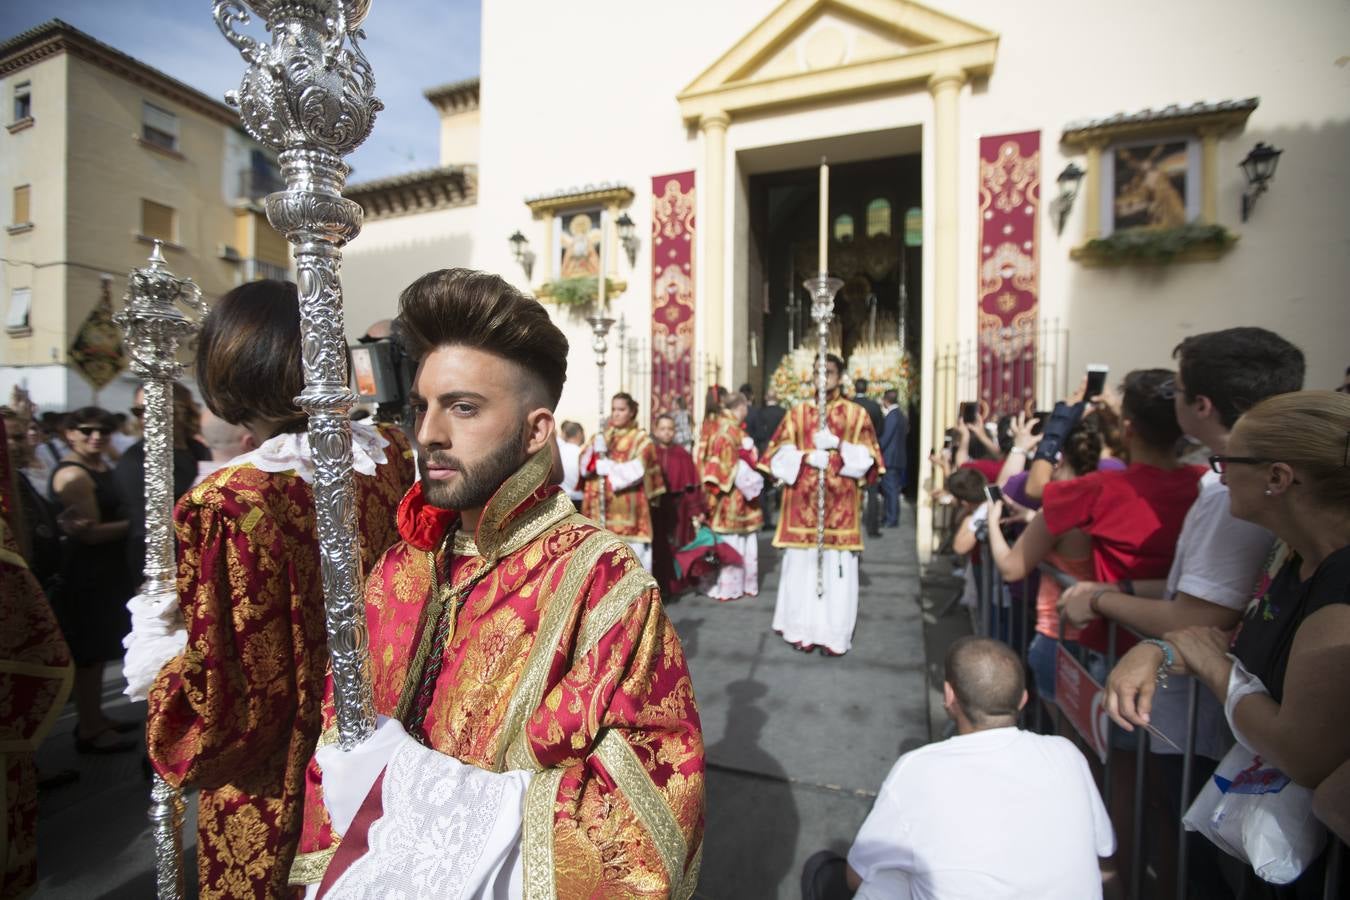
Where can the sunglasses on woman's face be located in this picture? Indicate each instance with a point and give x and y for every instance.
(90, 430)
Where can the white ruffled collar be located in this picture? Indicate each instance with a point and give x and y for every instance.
(291, 453)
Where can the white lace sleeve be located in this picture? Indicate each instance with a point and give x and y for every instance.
(786, 463)
(626, 474)
(158, 634)
(856, 460)
(749, 482)
(447, 830)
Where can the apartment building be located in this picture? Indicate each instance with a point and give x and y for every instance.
(101, 156)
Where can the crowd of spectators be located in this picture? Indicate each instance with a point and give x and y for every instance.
(1204, 512)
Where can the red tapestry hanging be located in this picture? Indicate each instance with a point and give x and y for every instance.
(673, 230)
(1010, 199)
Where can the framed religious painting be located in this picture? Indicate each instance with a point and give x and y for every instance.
(1153, 184)
(577, 234)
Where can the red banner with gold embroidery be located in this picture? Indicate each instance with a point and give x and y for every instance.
(673, 229)
(1010, 200)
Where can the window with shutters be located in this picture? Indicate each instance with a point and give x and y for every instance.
(159, 127)
(23, 101)
(159, 222)
(20, 308)
(22, 212)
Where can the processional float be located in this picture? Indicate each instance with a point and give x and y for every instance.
(154, 325)
(823, 289)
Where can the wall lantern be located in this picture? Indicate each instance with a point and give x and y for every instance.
(1068, 181)
(1259, 167)
(628, 237)
(521, 252)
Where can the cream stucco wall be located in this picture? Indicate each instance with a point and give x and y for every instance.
(459, 137)
(1287, 272)
(389, 254)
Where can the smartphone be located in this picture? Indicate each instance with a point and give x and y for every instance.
(1042, 416)
(968, 412)
(993, 493)
(1096, 380)
(947, 441)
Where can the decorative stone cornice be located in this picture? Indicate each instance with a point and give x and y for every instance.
(1220, 116)
(55, 37)
(455, 97)
(603, 194)
(416, 192)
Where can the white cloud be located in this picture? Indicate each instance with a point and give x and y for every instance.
(412, 45)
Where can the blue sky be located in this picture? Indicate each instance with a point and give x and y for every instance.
(412, 45)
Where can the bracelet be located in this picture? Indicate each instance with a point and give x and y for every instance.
(1169, 659)
(1021, 450)
(1092, 601)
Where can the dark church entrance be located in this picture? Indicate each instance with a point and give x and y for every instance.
(875, 230)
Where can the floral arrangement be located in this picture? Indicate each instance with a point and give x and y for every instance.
(885, 368)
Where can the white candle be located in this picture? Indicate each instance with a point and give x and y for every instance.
(601, 285)
(824, 216)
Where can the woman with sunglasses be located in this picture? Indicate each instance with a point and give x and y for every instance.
(95, 584)
(1285, 679)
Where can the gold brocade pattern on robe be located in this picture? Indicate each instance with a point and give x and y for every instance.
(237, 713)
(728, 510)
(627, 513)
(797, 519)
(559, 646)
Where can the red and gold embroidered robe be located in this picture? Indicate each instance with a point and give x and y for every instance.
(560, 660)
(237, 713)
(797, 519)
(627, 513)
(728, 510)
(35, 679)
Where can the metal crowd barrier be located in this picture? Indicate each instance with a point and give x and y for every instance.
(992, 616)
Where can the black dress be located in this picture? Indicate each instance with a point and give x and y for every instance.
(91, 600)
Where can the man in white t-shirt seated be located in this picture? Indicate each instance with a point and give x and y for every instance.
(993, 812)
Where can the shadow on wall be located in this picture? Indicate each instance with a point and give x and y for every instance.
(373, 276)
(1287, 272)
(752, 823)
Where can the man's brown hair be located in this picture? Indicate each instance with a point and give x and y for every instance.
(468, 308)
(248, 355)
(967, 484)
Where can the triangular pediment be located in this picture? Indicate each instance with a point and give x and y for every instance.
(802, 38)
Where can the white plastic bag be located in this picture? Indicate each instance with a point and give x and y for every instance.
(1253, 811)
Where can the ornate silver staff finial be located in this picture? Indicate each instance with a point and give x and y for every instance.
(153, 327)
(822, 288)
(600, 326)
(310, 95)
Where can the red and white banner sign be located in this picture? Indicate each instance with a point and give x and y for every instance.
(1083, 702)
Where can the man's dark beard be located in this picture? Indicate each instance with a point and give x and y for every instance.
(474, 487)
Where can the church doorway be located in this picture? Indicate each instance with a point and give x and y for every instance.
(875, 246)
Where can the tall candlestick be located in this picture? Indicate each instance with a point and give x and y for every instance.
(823, 259)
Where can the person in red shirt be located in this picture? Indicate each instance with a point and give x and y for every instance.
(1133, 516)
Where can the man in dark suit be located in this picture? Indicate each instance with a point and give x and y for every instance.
(894, 432)
(873, 515)
(766, 422)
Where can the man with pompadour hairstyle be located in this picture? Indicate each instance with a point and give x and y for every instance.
(536, 693)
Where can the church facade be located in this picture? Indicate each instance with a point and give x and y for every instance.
(1014, 193)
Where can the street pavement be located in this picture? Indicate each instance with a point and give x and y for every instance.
(797, 745)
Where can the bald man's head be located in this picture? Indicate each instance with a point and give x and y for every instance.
(987, 681)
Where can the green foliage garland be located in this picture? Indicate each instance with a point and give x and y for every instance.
(1159, 245)
(578, 291)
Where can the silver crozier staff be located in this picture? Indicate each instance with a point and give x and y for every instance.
(600, 325)
(309, 94)
(153, 327)
(822, 288)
